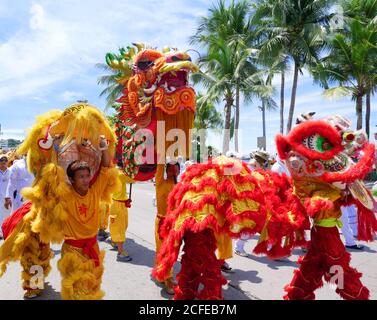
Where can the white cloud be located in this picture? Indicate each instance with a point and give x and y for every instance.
(67, 38)
(37, 20)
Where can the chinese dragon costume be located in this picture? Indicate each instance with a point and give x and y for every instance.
(43, 219)
(327, 161)
(223, 198)
(156, 100)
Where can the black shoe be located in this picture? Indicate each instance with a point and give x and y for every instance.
(356, 247)
(102, 235)
(226, 268)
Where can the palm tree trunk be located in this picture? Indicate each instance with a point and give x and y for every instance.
(282, 88)
(293, 97)
(228, 114)
(359, 111)
(367, 115)
(237, 119)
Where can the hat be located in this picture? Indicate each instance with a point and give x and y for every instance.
(260, 156)
(2, 156)
(305, 117)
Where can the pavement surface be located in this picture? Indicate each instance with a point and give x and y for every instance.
(255, 277)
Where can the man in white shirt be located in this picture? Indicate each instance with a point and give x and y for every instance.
(280, 167)
(4, 178)
(19, 178)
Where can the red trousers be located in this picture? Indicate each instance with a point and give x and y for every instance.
(328, 258)
(199, 265)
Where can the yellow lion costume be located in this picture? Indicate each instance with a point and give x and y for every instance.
(44, 218)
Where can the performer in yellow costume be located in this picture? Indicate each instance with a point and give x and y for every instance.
(81, 263)
(119, 219)
(62, 208)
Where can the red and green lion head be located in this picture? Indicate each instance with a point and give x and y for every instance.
(326, 149)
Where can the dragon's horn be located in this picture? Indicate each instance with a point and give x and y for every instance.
(139, 46)
(119, 63)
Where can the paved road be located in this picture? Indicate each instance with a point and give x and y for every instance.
(255, 277)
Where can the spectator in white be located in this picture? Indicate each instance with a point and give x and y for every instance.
(182, 167)
(232, 154)
(4, 178)
(349, 228)
(19, 178)
(259, 161)
(280, 167)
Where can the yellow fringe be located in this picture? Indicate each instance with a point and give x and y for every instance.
(114, 184)
(86, 123)
(81, 280)
(48, 196)
(36, 158)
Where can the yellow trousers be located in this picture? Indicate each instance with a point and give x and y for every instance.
(104, 210)
(224, 246)
(118, 221)
(81, 279)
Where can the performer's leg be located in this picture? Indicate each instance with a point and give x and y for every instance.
(308, 277)
(163, 188)
(240, 243)
(339, 271)
(346, 229)
(212, 278)
(118, 227)
(35, 262)
(199, 265)
(81, 279)
(169, 283)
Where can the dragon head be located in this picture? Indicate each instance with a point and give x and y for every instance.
(326, 149)
(152, 79)
(155, 88)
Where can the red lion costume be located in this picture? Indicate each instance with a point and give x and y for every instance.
(327, 162)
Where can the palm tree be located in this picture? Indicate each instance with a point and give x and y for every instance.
(366, 12)
(351, 64)
(206, 118)
(113, 89)
(292, 28)
(227, 67)
(226, 74)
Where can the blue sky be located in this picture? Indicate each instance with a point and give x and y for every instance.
(48, 50)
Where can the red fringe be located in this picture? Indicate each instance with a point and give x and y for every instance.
(367, 222)
(199, 265)
(358, 171)
(312, 207)
(325, 251)
(274, 195)
(306, 129)
(11, 222)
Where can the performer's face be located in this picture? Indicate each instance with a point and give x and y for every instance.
(81, 181)
(3, 164)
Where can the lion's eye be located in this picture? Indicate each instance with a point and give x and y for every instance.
(145, 64)
(318, 143)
